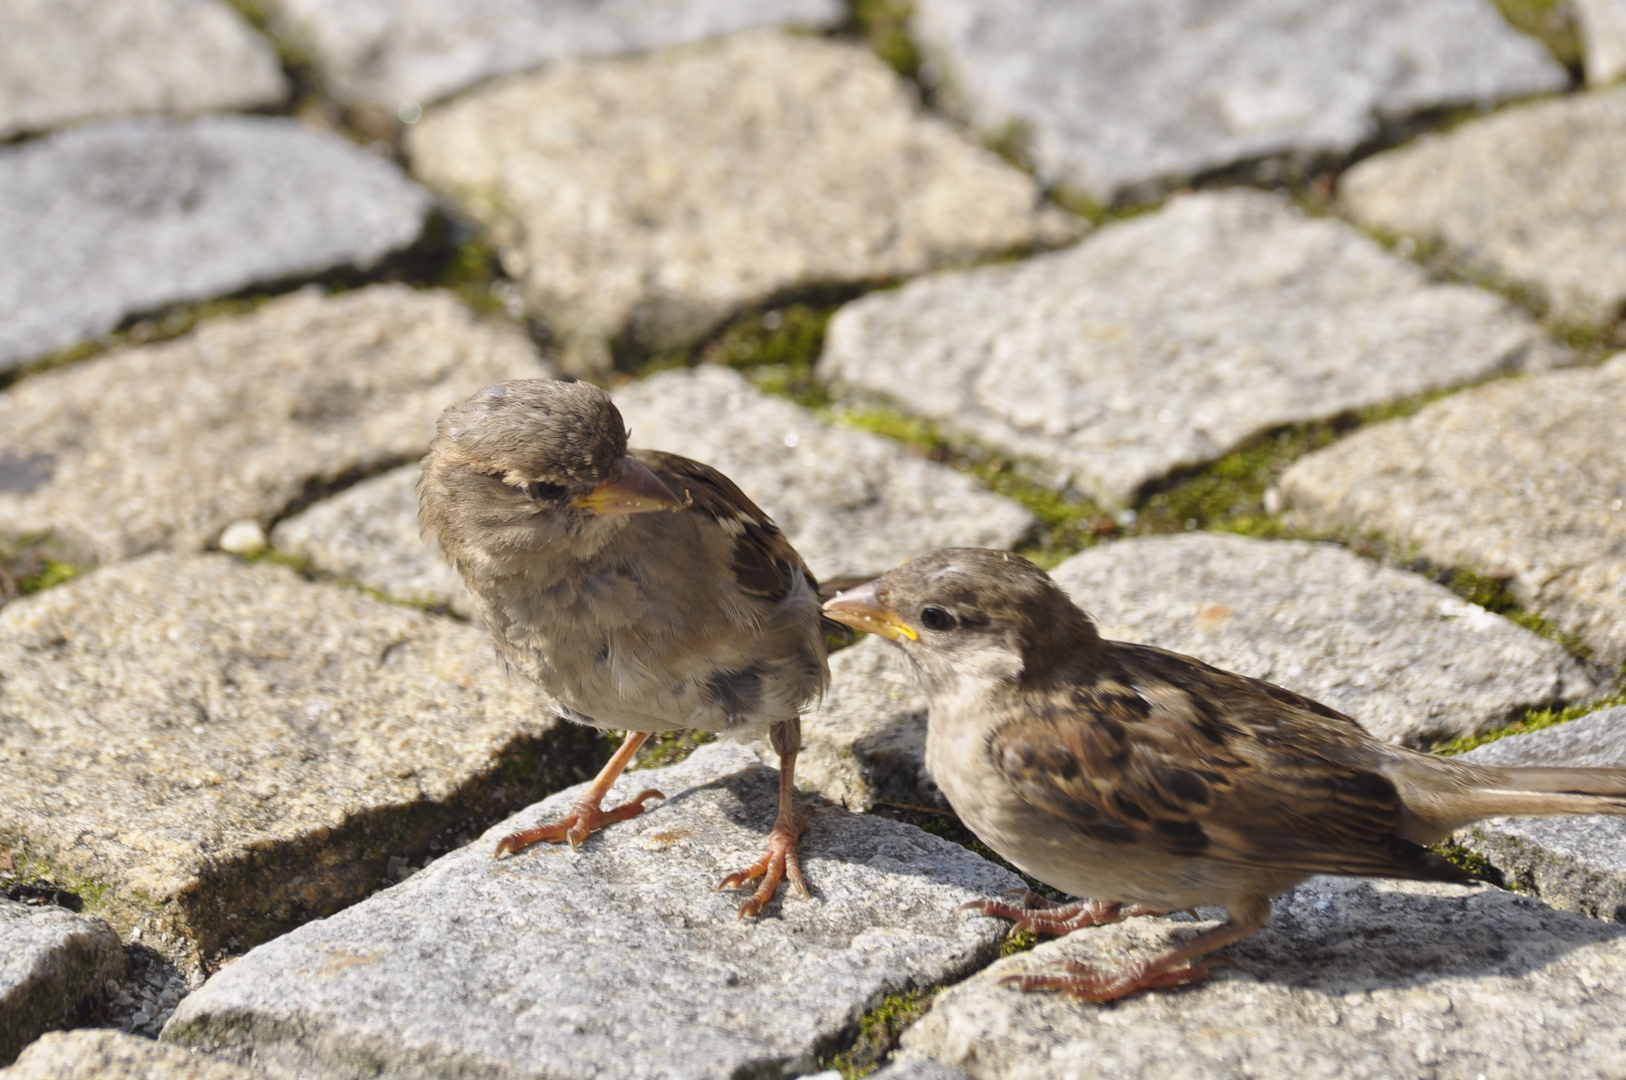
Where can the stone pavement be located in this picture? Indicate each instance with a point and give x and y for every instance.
(1062, 277)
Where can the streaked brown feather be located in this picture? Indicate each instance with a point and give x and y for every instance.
(1156, 749)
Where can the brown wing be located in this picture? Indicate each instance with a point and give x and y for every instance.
(763, 561)
(1161, 750)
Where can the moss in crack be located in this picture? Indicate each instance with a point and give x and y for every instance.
(884, 24)
(1553, 23)
(1472, 863)
(775, 347)
(1534, 720)
(878, 1032)
(33, 564)
(663, 748)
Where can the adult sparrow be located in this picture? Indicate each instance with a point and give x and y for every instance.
(641, 589)
(1150, 782)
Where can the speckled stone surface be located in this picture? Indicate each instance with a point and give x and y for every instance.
(69, 60)
(225, 750)
(1348, 979)
(852, 502)
(122, 217)
(100, 1054)
(650, 198)
(368, 534)
(1576, 863)
(1603, 32)
(1410, 660)
(556, 963)
(1535, 195)
(391, 52)
(1524, 478)
(51, 962)
(1166, 340)
(1123, 99)
(165, 445)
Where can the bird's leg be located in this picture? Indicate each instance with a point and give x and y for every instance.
(1030, 911)
(780, 862)
(588, 816)
(1174, 968)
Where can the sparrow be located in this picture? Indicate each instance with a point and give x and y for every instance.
(642, 590)
(1149, 782)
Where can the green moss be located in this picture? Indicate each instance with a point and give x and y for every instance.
(472, 271)
(665, 747)
(54, 573)
(1472, 862)
(885, 25)
(32, 564)
(1552, 22)
(878, 1032)
(1534, 720)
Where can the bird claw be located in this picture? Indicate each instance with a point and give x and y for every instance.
(1082, 982)
(780, 862)
(584, 819)
(1030, 911)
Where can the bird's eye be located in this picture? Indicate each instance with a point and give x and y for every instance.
(544, 492)
(935, 618)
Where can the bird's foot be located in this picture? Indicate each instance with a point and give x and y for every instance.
(586, 818)
(1030, 911)
(778, 864)
(1084, 983)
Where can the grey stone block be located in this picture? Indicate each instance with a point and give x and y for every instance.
(1167, 340)
(1125, 99)
(121, 217)
(391, 53)
(1535, 195)
(227, 750)
(1349, 978)
(852, 502)
(651, 198)
(166, 445)
(1523, 479)
(51, 962)
(368, 533)
(100, 1054)
(1407, 658)
(1575, 863)
(1603, 32)
(68, 60)
(619, 958)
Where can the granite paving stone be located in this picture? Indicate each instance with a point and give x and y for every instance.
(1167, 340)
(1124, 99)
(402, 55)
(1523, 479)
(1349, 979)
(165, 445)
(1603, 35)
(63, 61)
(554, 963)
(851, 501)
(918, 1069)
(368, 533)
(118, 218)
(1410, 660)
(51, 962)
(100, 1054)
(1534, 196)
(1576, 863)
(645, 200)
(212, 752)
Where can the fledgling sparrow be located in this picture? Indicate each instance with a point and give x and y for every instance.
(1150, 782)
(641, 589)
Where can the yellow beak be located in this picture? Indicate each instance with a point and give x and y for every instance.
(635, 491)
(862, 609)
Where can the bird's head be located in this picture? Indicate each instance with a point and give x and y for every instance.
(972, 613)
(532, 463)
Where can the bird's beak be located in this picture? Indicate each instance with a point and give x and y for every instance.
(635, 491)
(863, 609)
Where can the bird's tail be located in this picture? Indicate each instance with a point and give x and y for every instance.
(1546, 791)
